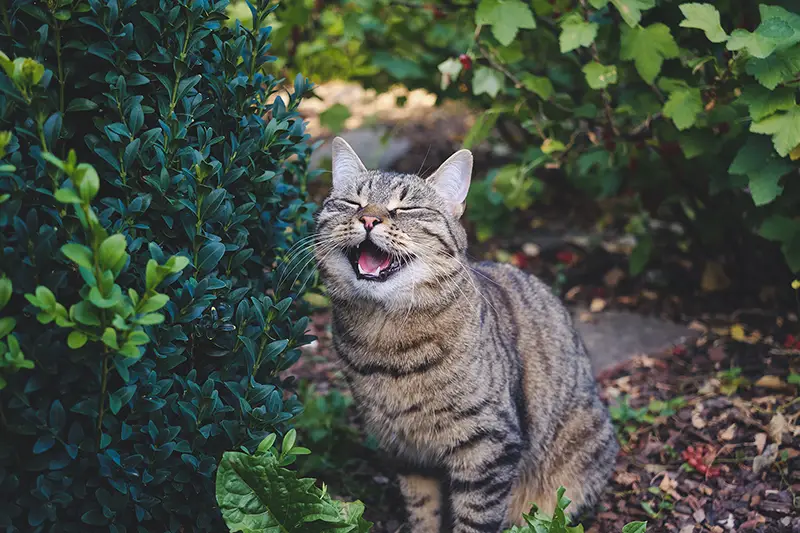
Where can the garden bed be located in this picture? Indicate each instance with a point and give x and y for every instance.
(726, 403)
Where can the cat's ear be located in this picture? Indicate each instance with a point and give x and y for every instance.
(451, 180)
(346, 165)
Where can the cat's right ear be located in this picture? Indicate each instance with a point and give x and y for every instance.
(346, 165)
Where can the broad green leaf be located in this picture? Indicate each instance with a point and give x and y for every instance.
(481, 128)
(539, 85)
(7, 325)
(255, 495)
(6, 290)
(334, 117)
(704, 17)
(755, 153)
(154, 303)
(635, 527)
(779, 67)
(112, 250)
(76, 339)
(683, 106)
(762, 102)
(779, 228)
(784, 128)
(631, 10)
(576, 32)
(764, 187)
(599, 76)
(79, 254)
(779, 30)
(648, 48)
(506, 17)
(487, 80)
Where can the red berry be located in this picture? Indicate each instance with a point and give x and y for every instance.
(466, 61)
(789, 342)
(565, 256)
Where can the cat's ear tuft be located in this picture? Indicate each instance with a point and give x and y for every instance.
(451, 180)
(346, 165)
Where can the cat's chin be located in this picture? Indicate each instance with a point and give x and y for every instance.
(371, 263)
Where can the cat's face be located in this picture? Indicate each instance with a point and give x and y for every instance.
(392, 238)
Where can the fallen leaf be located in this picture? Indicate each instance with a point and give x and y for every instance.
(687, 529)
(585, 317)
(728, 434)
(697, 419)
(728, 523)
(573, 292)
(770, 382)
(597, 305)
(699, 516)
(737, 332)
(626, 479)
(778, 425)
(650, 295)
(763, 461)
(614, 276)
(668, 485)
(714, 278)
(760, 440)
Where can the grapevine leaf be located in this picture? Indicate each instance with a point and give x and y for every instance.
(704, 17)
(784, 128)
(599, 76)
(506, 17)
(762, 103)
(576, 32)
(683, 106)
(779, 67)
(486, 80)
(648, 48)
(631, 10)
(764, 187)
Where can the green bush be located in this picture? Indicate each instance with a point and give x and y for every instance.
(150, 178)
(689, 108)
(257, 493)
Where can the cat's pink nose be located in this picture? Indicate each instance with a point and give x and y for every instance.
(369, 221)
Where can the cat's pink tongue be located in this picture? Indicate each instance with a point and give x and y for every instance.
(372, 262)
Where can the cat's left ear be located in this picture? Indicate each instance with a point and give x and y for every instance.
(451, 180)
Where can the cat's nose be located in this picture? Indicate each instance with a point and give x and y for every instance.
(369, 221)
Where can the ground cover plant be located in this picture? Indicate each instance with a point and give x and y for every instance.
(150, 177)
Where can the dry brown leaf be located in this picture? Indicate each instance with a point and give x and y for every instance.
(770, 382)
(627, 479)
(687, 529)
(668, 485)
(699, 516)
(697, 418)
(627, 300)
(778, 425)
(573, 292)
(714, 278)
(760, 440)
(765, 460)
(728, 434)
(705, 489)
(597, 305)
(614, 276)
(650, 295)
(698, 326)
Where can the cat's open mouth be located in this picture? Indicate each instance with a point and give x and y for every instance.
(372, 263)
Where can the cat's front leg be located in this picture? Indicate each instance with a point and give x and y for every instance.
(483, 469)
(423, 497)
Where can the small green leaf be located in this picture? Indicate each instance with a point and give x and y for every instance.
(112, 250)
(68, 196)
(539, 85)
(110, 338)
(79, 254)
(120, 398)
(704, 17)
(76, 339)
(81, 104)
(6, 290)
(7, 325)
(154, 303)
(506, 17)
(784, 128)
(683, 106)
(288, 441)
(631, 10)
(576, 32)
(450, 68)
(599, 76)
(640, 255)
(486, 80)
(648, 48)
(635, 527)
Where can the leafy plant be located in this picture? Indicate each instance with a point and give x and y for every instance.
(690, 109)
(257, 493)
(151, 179)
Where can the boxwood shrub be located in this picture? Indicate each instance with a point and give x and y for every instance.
(152, 175)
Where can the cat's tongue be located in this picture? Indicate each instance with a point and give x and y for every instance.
(371, 260)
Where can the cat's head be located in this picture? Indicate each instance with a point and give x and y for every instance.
(392, 238)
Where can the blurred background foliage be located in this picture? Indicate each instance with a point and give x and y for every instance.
(678, 119)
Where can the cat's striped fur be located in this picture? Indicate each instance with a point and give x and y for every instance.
(471, 375)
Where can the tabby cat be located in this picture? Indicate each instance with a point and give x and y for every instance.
(471, 375)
